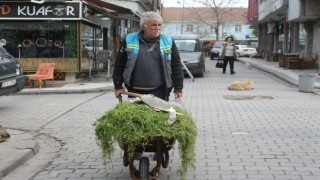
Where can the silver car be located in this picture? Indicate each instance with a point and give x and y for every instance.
(191, 53)
(216, 50)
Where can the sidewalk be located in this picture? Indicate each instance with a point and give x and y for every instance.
(289, 75)
(22, 146)
(93, 85)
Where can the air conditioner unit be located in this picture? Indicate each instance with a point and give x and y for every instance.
(271, 28)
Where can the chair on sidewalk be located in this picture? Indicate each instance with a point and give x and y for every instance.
(271, 56)
(281, 60)
(309, 63)
(104, 56)
(295, 62)
(44, 72)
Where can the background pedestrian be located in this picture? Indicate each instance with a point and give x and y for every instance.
(228, 55)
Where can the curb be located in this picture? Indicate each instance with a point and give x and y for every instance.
(65, 91)
(16, 151)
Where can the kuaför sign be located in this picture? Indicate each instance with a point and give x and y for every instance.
(23, 10)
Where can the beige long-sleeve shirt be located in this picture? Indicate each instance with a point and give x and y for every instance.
(228, 50)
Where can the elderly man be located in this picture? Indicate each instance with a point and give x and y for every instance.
(148, 62)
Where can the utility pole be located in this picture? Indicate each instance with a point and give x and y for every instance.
(182, 18)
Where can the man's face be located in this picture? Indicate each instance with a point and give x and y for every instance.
(152, 30)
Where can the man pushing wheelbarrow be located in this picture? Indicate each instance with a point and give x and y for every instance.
(148, 64)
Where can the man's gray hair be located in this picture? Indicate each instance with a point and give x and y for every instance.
(150, 15)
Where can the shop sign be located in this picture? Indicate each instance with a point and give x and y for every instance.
(27, 10)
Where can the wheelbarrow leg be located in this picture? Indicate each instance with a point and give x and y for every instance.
(125, 155)
(155, 171)
(133, 171)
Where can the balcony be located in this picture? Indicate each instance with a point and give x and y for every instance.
(303, 11)
(272, 10)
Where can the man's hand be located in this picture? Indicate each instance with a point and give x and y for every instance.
(177, 95)
(118, 92)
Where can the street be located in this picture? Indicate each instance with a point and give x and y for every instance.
(270, 132)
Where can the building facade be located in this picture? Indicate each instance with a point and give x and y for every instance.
(64, 32)
(186, 21)
(288, 26)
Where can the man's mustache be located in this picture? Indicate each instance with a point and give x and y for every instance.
(156, 31)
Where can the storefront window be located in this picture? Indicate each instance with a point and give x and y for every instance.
(92, 39)
(40, 39)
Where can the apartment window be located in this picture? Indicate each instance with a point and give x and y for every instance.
(189, 28)
(238, 28)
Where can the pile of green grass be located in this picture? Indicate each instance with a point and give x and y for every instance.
(135, 123)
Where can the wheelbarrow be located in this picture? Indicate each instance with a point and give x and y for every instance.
(156, 145)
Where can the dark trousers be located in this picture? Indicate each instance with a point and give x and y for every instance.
(230, 60)
(160, 92)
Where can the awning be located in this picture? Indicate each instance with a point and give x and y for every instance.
(112, 8)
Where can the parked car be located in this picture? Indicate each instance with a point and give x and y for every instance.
(216, 50)
(244, 50)
(11, 76)
(191, 53)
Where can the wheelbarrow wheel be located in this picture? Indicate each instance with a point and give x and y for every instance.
(144, 168)
(165, 159)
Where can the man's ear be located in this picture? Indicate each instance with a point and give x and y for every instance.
(143, 26)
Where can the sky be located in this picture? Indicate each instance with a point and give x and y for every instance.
(191, 3)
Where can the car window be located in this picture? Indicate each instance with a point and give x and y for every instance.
(187, 45)
(217, 45)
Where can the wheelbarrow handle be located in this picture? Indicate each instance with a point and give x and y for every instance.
(120, 98)
(131, 94)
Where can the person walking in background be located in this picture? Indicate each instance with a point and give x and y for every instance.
(149, 62)
(228, 54)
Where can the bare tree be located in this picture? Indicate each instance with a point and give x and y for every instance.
(214, 14)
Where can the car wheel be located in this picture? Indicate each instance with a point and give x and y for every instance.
(201, 74)
(211, 57)
(238, 55)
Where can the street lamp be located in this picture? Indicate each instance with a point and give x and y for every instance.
(182, 16)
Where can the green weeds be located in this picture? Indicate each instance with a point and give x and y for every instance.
(134, 124)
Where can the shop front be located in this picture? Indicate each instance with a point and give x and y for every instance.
(62, 33)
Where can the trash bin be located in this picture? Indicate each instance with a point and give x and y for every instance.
(306, 82)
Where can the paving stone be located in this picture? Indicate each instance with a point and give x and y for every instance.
(246, 139)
